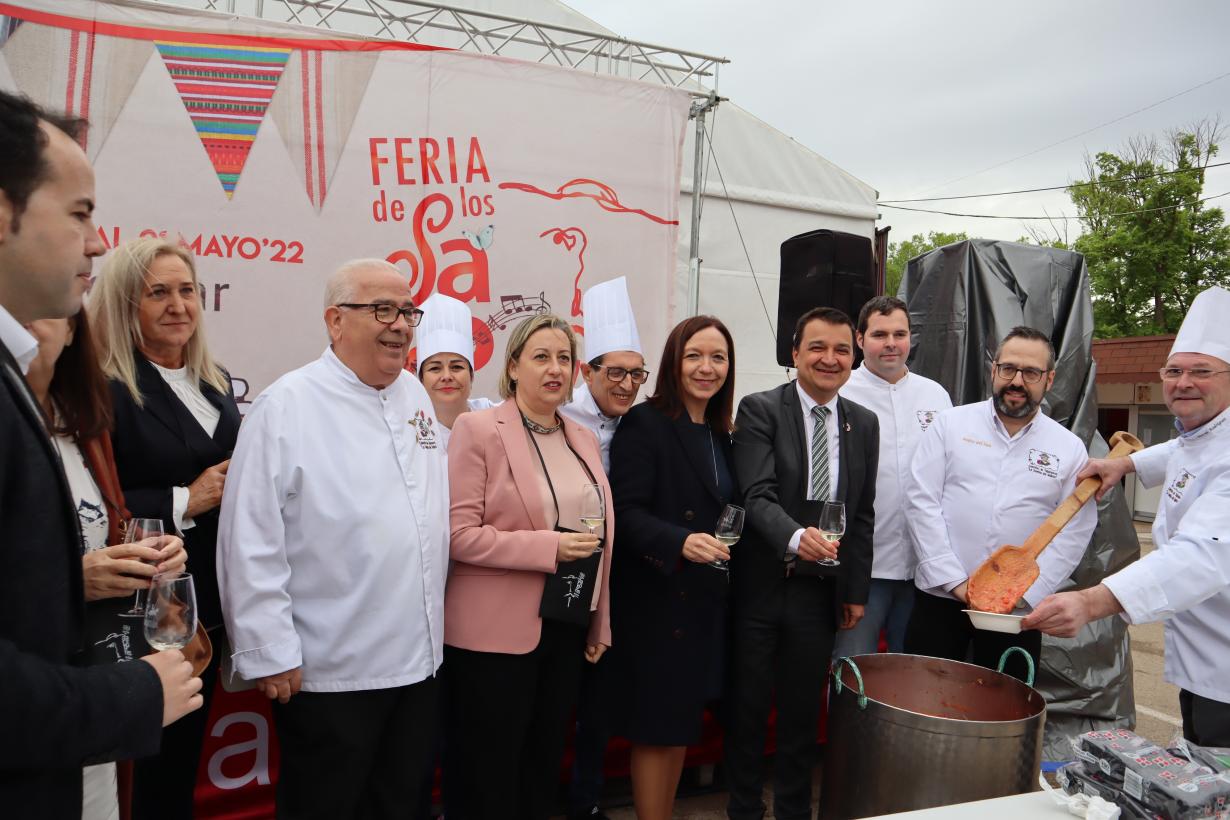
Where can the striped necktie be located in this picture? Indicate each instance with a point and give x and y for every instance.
(820, 483)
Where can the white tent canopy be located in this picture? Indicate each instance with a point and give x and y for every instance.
(776, 187)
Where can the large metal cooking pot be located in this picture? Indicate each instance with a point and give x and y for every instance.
(909, 732)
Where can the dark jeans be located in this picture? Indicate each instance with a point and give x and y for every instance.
(357, 754)
(940, 629)
(508, 715)
(781, 644)
(1206, 722)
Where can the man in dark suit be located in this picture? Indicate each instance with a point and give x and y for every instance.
(54, 715)
(795, 447)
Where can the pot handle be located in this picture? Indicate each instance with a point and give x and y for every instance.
(862, 696)
(1029, 662)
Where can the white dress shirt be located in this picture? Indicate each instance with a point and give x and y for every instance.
(333, 540)
(584, 411)
(20, 342)
(1186, 580)
(188, 391)
(905, 409)
(830, 425)
(471, 405)
(973, 488)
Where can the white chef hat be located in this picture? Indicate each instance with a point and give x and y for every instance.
(609, 323)
(446, 328)
(1204, 330)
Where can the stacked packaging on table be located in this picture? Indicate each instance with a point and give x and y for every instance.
(1146, 781)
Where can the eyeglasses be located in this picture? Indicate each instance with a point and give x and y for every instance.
(387, 314)
(1007, 372)
(1200, 374)
(617, 374)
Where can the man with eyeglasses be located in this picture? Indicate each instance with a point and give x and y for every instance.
(612, 378)
(1185, 581)
(984, 475)
(332, 556)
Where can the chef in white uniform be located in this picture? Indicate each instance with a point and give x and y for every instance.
(984, 475)
(445, 348)
(906, 403)
(615, 366)
(332, 555)
(610, 380)
(1185, 581)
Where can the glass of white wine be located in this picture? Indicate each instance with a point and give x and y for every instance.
(832, 526)
(728, 530)
(170, 614)
(593, 510)
(138, 530)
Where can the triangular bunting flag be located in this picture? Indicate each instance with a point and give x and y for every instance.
(226, 90)
(315, 107)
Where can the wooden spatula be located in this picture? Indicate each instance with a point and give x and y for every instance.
(1003, 578)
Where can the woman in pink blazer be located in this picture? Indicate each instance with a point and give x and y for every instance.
(527, 601)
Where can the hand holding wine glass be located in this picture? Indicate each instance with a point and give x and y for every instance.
(138, 530)
(170, 615)
(832, 526)
(593, 510)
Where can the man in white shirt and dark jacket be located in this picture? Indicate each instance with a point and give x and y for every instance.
(332, 556)
(1185, 581)
(984, 475)
(54, 715)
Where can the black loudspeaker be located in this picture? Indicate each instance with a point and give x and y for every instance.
(821, 269)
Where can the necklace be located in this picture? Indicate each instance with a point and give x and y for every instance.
(535, 427)
(712, 454)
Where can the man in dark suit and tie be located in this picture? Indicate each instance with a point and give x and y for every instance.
(795, 447)
(54, 715)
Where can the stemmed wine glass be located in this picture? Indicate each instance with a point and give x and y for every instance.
(170, 615)
(138, 530)
(593, 510)
(832, 526)
(728, 530)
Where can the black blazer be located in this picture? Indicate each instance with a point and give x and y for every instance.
(160, 446)
(771, 462)
(53, 715)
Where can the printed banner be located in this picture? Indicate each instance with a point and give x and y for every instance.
(276, 153)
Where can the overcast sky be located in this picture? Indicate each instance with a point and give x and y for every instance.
(910, 96)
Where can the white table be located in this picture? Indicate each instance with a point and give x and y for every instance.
(1031, 806)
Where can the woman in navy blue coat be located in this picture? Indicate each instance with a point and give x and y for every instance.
(671, 476)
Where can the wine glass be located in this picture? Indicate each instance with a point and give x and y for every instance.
(593, 510)
(729, 528)
(832, 526)
(138, 530)
(170, 615)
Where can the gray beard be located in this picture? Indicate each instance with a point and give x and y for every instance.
(1024, 411)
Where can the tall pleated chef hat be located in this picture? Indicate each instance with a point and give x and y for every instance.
(609, 323)
(1206, 328)
(446, 328)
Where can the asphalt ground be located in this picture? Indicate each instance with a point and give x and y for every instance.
(1157, 717)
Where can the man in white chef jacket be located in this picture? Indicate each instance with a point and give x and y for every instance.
(906, 404)
(984, 475)
(1185, 581)
(612, 377)
(332, 555)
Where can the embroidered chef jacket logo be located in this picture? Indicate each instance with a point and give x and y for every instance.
(1175, 491)
(925, 417)
(424, 435)
(1044, 463)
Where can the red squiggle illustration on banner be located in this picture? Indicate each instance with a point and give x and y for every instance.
(569, 237)
(599, 192)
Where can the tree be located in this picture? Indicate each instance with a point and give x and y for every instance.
(900, 253)
(1149, 242)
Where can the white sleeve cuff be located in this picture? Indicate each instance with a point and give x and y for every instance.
(271, 659)
(793, 546)
(179, 506)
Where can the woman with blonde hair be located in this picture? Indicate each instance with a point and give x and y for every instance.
(175, 424)
(527, 592)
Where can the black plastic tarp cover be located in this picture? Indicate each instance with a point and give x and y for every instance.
(963, 299)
